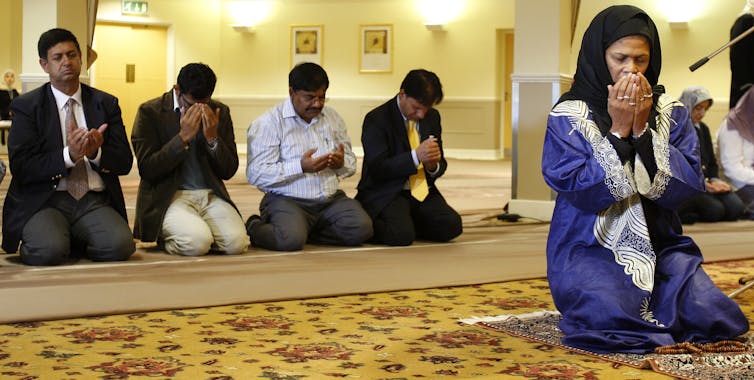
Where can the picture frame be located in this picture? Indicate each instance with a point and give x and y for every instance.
(306, 44)
(376, 48)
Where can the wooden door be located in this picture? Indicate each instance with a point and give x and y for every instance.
(131, 64)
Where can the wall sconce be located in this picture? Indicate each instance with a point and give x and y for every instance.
(245, 15)
(247, 29)
(680, 12)
(434, 27)
(437, 13)
(679, 24)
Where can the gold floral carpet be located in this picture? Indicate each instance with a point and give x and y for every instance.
(396, 335)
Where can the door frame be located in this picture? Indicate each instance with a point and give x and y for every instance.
(169, 54)
(505, 50)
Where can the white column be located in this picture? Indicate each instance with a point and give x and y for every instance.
(40, 16)
(542, 49)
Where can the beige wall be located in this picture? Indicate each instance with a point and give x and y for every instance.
(10, 35)
(705, 33)
(253, 68)
(258, 64)
(255, 65)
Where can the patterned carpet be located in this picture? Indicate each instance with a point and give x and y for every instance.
(397, 335)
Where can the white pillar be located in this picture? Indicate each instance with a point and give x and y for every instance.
(542, 50)
(40, 16)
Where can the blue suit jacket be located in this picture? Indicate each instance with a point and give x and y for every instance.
(35, 146)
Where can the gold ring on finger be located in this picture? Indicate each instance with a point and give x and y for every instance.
(631, 104)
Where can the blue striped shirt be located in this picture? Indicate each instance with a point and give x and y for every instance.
(278, 139)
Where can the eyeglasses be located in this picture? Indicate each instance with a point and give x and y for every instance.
(311, 98)
(189, 104)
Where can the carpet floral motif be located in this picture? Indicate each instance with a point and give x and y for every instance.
(383, 336)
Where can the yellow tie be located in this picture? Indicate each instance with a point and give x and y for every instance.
(78, 179)
(418, 181)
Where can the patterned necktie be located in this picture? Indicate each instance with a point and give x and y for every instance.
(418, 181)
(78, 179)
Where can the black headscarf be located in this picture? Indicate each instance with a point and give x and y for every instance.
(592, 76)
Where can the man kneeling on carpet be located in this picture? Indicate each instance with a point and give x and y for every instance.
(622, 158)
(185, 148)
(403, 158)
(297, 153)
(66, 147)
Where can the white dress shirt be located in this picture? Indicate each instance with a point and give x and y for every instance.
(277, 141)
(61, 99)
(736, 156)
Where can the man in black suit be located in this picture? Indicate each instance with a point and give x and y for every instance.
(67, 146)
(397, 186)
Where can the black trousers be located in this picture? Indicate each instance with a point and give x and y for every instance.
(708, 207)
(65, 228)
(405, 219)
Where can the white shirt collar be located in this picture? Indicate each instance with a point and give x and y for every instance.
(398, 102)
(289, 111)
(175, 101)
(61, 98)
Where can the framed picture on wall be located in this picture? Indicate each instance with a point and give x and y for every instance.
(306, 44)
(376, 48)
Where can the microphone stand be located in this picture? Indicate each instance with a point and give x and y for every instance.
(704, 60)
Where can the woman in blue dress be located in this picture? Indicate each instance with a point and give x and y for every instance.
(622, 157)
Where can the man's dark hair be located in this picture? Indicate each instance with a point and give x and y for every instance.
(308, 76)
(197, 80)
(53, 37)
(424, 86)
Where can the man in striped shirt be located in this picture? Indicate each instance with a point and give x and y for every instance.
(297, 153)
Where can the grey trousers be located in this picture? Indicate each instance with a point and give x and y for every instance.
(288, 223)
(65, 228)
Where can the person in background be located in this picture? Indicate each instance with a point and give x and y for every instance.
(741, 54)
(297, 153)
(8, 92)
(403, 157)
(67, 146)
(735, 143)
(718, 202)
(622, 158)
(185, 148)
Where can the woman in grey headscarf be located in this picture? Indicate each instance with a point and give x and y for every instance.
(7, 93)
(718, 202)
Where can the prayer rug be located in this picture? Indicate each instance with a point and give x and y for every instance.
(543, 327)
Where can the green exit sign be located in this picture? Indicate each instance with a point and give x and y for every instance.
(135, 7)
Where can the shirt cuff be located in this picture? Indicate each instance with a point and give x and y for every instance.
(67, 158)
(416, 159)
(212, 145)
(646, 125)
(432, 173)
(97, 158)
